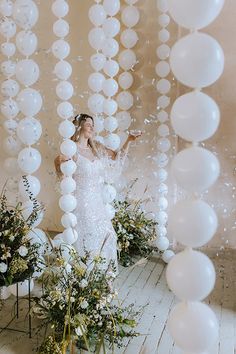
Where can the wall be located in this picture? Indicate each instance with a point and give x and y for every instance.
(141, 164)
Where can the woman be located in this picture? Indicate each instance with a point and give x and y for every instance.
(95, 231)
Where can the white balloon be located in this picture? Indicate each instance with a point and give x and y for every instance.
(8, 68)
(164, 20)
(163, 51)
(97, 15)
(61, 28)
(195, 169)
(110, 106)
(163, 101)
(26, 42)
(110, 87)
(124, 120)
(162, 68)
(61, 49)
(29, 160)
(67, 203)
(29, 130)
(162, 243)
(161, 159)
(6, 7)
(98, 61)
(68, 220)
(10, 126)
(130, 16)
(191, 267)
(163, 5)
(68, 168)
(11, 166)
(164, 35)
(67, 185)
(11, 145)
(193, 222)
(161, 231)
(111, 7)
(197, 60)
(163, 86)
(108, 193)
(193, 326)
(64, 90)
(162, 190)
(127, 59)
(111, 27)
(96, 38)
(167, 256)
(63, 70)
(95, 103)
(7, 27)
(110, 47)
(98, 124)
(161, 175)
(29, 102)
(4, 292)
(129, 38)
(161, 217)
(68, 148)
(9, 88)
(125, 100)
(162, 203)
(65, 110)
(95, 81)
(162, 116)
(60, 8)
(200, 13)
(112, 141)
(163, 144)
(23, 288)
(123, 137)
(33, 189)
(25, 13)
(125, 80)
(111, 68)
(163, 130)
(27, 72)
(195, 116)
(70, 236)
(66, 129)
(9, 108)
(110, 124)
(8, 49)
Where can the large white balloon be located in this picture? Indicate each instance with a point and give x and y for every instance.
(68, 168)
(193, 326)
(65, 110)
(29, 101)
(200, 12)
(98, 61)
(197, 60)
(96, 38)
(68, 148)
(192, 222)
(60, 8)
(95, 103)
(29, 130)
(111, 7)
(129, 38)
(27, 72)
(67, 203)
(68, 220)
(111, 27)
(8, 49)
(8, 68)
(191, 275)
(9, 88)
(195, 116)
(110, 47)
(10, 126)
(97, 15)
(25, 13)
(29, 160)
(61, 28)
(67, 185)
(110, 106)
(125, 80)
(110, 124)
(95, 81)
(29, 191)
(26, 42)
(111, 68)
(162, 243)
(64, 90)
(110, 87)
(66, 129)
(127, 59)
(130, 16)
(61, 49)
(70, 236)
(9, 108)
(63, 70)
(6, 7)
(7, 27)
(125, 100)
(195, 169)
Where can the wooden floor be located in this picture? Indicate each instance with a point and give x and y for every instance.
(144, 284)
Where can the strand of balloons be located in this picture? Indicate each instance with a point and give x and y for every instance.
(163, 87)
(197, 61)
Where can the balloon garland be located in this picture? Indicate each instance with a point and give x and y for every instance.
(64, 92)
(197, 61)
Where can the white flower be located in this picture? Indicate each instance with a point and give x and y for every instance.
(3, 267)
(12, 238)
(83, 283)
(78, 331)
(84, 304)
(22, 251)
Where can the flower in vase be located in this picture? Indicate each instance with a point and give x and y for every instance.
(3, 267)
(84, 304)
(23, 251)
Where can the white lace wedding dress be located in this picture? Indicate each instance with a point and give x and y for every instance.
(95, 231)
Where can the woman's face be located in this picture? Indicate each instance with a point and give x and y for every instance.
(88, 128)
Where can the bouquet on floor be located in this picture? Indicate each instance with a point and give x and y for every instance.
(79, 306)
(135, 230)
(18, 256)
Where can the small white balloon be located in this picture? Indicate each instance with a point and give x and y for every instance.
(124, 120)
(163, 86)
(164, 20)
(68, 168)
(67, 203)
(112, 141)
(161, 217)
(110, 124)
(8, 49)
(6, 7)
(98, 61)
(130, 16)
(65, 110)
(64, 90)
(25, 13)
(9, 108)
(8, 68)
(29, 130)
(29, 102)
(162, 116)
(162, 190)
(70, 236)
(10, 126)
(12, 145)
(125, 80)
(66, 129)
(26, 42)
(162, 203)
(68, 220)
(127, 59)
(163, 130)
(27, 72)
(111, 68)
(162, 243)
(163, 144)
(188, 174)
(161, 159)
(61, 49)
(110, 47)
(163, 101)
(68, 148)
(164, 35)
(125, 100)
(111, 27)
(33, 188)
(67, 185)
(7, 27)
(110, 106)
(129, 38)
(161, 175)
(167, 256)
(29, 160)
(60, 8)
(162, 68)
(96, 38)
(97, 15)
(63, 70)
(95, 81)
(163, 51)
(61, 28)
(95, 103)
(110, 87)
(111, 7)
(9, 88)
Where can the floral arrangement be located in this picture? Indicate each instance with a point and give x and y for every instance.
(135, 230)
(78, 306)
(18, 257)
